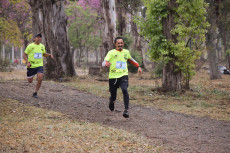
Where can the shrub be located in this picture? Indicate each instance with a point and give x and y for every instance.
(158, 70)
(4, 64)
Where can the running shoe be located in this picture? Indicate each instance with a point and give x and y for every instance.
(35, 95)
(126, 113)
(111, 105)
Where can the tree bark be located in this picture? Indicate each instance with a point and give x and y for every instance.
(171, 80)
(49, 18)
(211, 40)
(223, 33)
(121, 18)
(108, 24)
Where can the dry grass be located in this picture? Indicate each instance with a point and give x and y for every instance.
(29, 129)
(207, 98)
(18, 74)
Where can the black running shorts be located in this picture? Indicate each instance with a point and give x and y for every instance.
(33, 71)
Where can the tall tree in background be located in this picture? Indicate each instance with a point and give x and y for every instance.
(224, 26)
(214, 12)
(49, 18)
(121, 14)
(133, 9)
(169, 26)
(108, 13)
(83, 27)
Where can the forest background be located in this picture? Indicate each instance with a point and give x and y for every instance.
(171, 39)
(181, 44)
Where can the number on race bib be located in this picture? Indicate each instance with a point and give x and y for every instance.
(121, 65)
(37, 55)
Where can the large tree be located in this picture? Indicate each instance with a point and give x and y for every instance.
(214, 13)
(49, 18)
(108, 14)
(223, 23)
(121, 18)
(170, 25)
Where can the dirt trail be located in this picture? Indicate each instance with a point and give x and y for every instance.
(184, 133)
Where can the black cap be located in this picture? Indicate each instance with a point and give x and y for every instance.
(38, 35)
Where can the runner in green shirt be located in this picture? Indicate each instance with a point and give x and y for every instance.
(35, 52)
(116, 60)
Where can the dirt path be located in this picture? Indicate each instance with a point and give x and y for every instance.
(182, 132)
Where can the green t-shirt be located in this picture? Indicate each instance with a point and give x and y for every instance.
(35, 54)
(118, 60)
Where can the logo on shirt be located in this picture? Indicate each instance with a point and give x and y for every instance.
(125, 57)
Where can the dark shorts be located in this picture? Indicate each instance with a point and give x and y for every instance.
(33, 71)
(119, 82)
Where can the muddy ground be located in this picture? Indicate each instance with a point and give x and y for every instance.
(182, 133)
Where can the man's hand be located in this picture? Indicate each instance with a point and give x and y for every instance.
(51, 56)
(48, 55)
(139, 71)
(28, 64)
(107, 64)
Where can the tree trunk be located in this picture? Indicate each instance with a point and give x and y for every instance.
(109, 24)
(87, 56)
(121, 18)
(49, 18)
(96, 53)
(212, 42)
(79, 57)
(223, 34)
(139, 42)
(171, 80)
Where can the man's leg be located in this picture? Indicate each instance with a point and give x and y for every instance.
(39, 72)
(124, 88)
(39, 81)
(30, 75)
(30, 80)
(113, 93)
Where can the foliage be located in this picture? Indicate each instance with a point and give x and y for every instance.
(17, 14)
(158, 70)
(227, 53)
(94, 4)
(9, 31)
(4, 63)
(132, 5)
(190, 25)
(82, 22)
(127, 40)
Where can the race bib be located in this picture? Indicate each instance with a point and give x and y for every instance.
(37, 55)
(121, 65)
